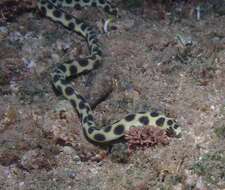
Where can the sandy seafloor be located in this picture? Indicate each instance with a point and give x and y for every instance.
(174, 66)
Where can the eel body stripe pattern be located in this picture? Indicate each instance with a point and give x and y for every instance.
(61, 74)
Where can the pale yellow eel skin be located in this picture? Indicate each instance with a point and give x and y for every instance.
(63, 72)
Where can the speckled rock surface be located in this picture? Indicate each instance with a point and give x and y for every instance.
(177, 67)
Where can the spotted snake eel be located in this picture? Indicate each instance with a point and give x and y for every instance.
(67, 70)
